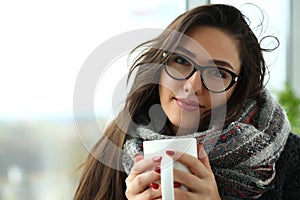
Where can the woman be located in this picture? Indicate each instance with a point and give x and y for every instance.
(202, 77)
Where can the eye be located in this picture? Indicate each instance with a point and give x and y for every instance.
(181, 60)
(218, 73)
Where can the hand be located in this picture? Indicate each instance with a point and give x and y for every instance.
(201, 183)
(141, 181)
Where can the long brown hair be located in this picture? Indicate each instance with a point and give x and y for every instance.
(101, 181)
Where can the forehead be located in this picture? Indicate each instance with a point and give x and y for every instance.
(209, 43)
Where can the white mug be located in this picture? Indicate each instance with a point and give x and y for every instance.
(158, 148)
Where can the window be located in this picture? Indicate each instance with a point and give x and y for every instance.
(42, 50)
(273, 24)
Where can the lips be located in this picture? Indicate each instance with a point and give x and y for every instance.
(187, 104)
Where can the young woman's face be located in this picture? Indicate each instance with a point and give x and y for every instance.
(185, 101)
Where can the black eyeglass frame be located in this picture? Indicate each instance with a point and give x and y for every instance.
(200, 68)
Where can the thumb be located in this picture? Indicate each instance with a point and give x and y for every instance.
(138, 157)
(203, 157)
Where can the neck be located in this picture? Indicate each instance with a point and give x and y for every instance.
(181, 130)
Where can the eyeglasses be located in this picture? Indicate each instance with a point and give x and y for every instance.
(215, 79)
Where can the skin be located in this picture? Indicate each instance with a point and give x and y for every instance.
(219, 47)
(174, 94)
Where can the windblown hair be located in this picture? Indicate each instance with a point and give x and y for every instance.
(101, 181)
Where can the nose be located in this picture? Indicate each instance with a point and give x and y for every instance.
(194, 84)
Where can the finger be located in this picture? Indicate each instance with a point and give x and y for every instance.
(145, 164)
(138, 157)
(150, 193)
(141, 165)
(190, 181)
(142, 181)
(203, 157)
(183, 194)
(195, 165)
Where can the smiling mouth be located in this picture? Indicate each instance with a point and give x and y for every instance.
(188, 105)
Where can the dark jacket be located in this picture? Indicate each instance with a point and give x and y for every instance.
(287, 183)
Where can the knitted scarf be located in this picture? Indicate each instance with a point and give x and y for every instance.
(242, 155)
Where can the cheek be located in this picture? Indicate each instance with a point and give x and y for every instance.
(168, 104)
(220, 99)
(164, 92)
(168, 86)
(164, 95)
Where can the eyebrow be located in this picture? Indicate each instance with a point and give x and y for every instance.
(221, 63)
(213, 61)
(185, 51)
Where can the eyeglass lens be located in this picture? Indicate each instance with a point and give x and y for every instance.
(214, 78)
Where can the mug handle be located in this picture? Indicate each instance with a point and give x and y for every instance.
(167, 178)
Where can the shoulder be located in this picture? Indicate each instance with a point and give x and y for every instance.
(291, 152)
(287, 180)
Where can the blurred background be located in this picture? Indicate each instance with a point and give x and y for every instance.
(43, 45)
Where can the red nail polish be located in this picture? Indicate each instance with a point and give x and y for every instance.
(177, 185)
(170, 152)
(157, 158)
(157, 169)
(154, 186)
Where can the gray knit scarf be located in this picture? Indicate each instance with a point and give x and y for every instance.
(242, 155)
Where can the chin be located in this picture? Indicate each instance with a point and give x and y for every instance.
(185, 131)
(182, 129)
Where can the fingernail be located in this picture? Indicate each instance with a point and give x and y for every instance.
(177, 185)
(170, 152)
(157, 158)
(157, 169)
(154, 186)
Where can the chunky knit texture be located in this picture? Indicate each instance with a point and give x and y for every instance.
(287, 179)
(243, 155)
